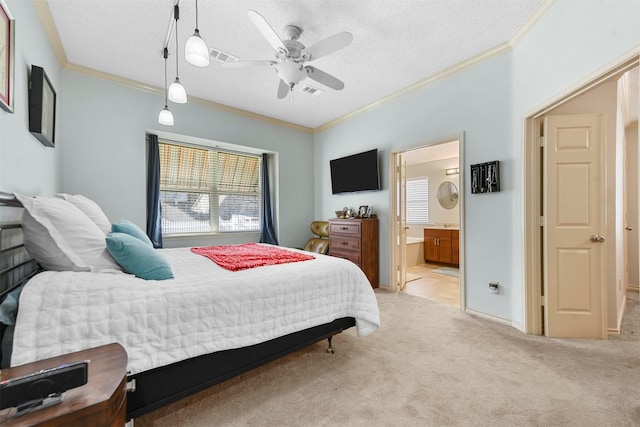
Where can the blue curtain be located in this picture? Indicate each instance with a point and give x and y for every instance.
(154, 226)
(267, 232)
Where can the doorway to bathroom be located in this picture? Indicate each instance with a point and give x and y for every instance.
(427, 200)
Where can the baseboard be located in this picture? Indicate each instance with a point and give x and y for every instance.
(490, 317)
(618, 328)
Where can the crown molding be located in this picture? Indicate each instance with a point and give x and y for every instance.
(160, 91)
(44, 12)
(539, 13)
(491, 53)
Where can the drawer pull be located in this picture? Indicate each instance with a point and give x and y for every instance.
(345, 243)
(344, 228)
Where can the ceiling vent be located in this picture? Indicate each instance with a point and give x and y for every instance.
(221, 56)
(311, 90)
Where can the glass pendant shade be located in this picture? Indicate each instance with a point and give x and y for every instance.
(196, 51)
(165, 117)
(177, 93)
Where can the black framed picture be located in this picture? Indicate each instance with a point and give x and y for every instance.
(42, 107)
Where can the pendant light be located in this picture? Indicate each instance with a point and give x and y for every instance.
(196, 51)
(165, 117)
(177, 93)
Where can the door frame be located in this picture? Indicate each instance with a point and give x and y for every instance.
(532, 191)
(394, 250)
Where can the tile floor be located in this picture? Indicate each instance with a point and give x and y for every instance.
(433, 286)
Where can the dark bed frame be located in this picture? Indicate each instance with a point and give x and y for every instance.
(152, 389)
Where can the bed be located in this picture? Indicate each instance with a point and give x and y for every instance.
(202, 326)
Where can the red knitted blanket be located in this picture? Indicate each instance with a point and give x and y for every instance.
(249, 255)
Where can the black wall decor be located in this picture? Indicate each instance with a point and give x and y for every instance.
(485, 177)
(42, 107)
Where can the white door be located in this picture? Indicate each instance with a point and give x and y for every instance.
(401, 219)
(573, 208)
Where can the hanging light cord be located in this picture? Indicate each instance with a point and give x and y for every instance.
(196, 14)
(165, 53)
(176, 15)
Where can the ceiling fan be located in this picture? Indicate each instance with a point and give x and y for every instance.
(291, 55)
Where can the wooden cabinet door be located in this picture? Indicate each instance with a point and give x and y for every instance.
(430, 248)
(444, 248)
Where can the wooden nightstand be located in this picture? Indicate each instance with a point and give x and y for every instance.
(102, 401)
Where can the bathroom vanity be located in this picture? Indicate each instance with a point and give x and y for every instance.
(441, 244)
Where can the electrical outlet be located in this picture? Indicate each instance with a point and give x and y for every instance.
(494, 287)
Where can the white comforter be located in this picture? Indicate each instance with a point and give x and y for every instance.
(204, 309)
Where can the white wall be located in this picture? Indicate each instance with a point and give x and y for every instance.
(26, 166)
(489, 103)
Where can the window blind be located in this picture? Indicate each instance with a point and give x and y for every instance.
(205, 190)
(417, 201)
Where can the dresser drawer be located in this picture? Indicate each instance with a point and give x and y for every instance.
(345, 228)
(354, 257)
(344, 242)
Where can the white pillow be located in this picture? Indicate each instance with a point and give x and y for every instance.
(90, 209)
(62, 238)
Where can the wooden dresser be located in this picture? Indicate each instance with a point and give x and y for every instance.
(441, 245)
(102, 401)
(357, 241)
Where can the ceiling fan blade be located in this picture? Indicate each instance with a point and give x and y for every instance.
(324, 78)
(267, 32)
(243, 64)
(328, 45)
(283, 89)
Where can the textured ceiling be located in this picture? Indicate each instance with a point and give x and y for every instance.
(396, 45)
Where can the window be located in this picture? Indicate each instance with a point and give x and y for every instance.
(417, 201)
(207, 190)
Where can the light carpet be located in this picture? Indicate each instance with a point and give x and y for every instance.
(431, 365)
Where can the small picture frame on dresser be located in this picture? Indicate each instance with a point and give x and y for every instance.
(369, 212)
(362, 211)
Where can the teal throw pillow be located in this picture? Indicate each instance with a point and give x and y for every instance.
(130, 228)
(138, 258)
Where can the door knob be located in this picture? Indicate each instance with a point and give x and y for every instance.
(597, 238)
(628, 228)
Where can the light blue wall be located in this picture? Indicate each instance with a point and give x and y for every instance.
(489, 103)
(476, 102)
(105, 151)
(26, 166)
(100, 148)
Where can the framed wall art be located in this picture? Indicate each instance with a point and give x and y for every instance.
(42, 107)
(7, 54)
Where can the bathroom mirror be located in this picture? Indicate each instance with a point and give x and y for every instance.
(448, 195)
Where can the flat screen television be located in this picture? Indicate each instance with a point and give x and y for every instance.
(358, 172)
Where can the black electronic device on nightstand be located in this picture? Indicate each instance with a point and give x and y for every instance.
(30, 391)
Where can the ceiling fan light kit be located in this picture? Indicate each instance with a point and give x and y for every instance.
(289, 62)
(291, 56)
